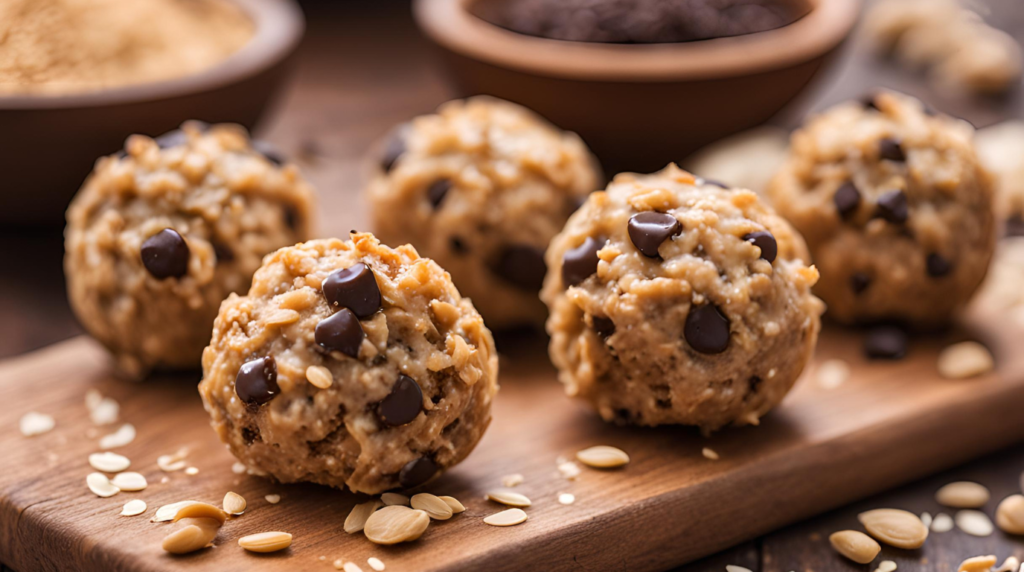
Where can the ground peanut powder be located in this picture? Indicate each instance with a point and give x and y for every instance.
(59, 47)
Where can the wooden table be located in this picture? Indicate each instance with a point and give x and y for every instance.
(363, 68)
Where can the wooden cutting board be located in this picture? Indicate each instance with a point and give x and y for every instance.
(889, 423)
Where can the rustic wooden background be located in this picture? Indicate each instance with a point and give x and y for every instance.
(362, 68)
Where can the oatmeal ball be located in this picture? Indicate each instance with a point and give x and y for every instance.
(163, 231)
(350, 364)
(895, 207)
(481, 187)
(674, 300)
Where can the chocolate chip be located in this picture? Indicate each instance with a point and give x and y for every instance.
(891, 150)
(937, 265)
(892, 206)
(438, 191)
(417, 472)
(256, 382)
(859, 282)
(649, 229)
(171, 139)
(522, 265)
(270, 151)
(603, 326)
(885, 342)
(165, 254)
(403, 404)
(223, 252)
(580, 262)
(394, 149)
(340, 332)
(1014, 226)
(707, 329)
(354, 288)
(457, 246)
(846, 199)
(766, 242)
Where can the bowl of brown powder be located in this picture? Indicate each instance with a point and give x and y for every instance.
(78, 76)
(644, 82)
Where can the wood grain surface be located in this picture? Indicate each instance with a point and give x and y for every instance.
(891, 422)
(362, 69)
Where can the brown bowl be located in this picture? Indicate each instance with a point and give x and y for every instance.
(48, 145)
(639, 106)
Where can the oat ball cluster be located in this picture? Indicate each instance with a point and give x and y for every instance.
(895, 207)
(164, 230)
(674, 300)
(481, 187)
(350, 363)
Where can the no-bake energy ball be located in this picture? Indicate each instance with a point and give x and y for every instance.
(350, 364)
(162, 232)
(895, 207)
(674, 300)
(481, 187)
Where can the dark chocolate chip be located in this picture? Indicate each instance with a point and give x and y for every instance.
(165, 254)
(256, 382)
(394, 149)
(707, 329)
(291, 217)
(603, 326)
(170, 139)
(846, 199)
(891, 150)
(417, 472)
(354, 288)
(270, 151)
(892, 206)
(649, 229)
(937, 265)
(340, 332)
(1014, 226)
(522, 265)
(403, 404)
(438, 191)
(223, 252)
(766, 242)
(859, 282)
(580, 262)
(457, 246)
(885, 342)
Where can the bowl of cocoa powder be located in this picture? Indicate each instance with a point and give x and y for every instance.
(78, 76)
(644, 82)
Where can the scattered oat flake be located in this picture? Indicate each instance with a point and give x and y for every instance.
(942, 523)
(191, 471)
(926, 519)
(602, 457)
(33, 424)
(173, 462)
(100, 485)
(234, 503)
(964, 360)
(167, 512)
(351, 567)
(266, 541)
(454, 503)
(886, 566)
(393, 499)
(962, 494)
(566, 498)
(710, 453)
(109, 462)
(434, 506)
(133, 508)
(510, 517)
(734, 568)
(129, 481)
(569, 470)
(1011, 564)
(395, 524)
(119, 438)
(832, 373)
(375, 563)
(973, 522)
(273, 499)
(978, 564)
(508, 498)
(512, 480)
(103, 410)
(338, 564)
(357, 517)
(238, 468)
